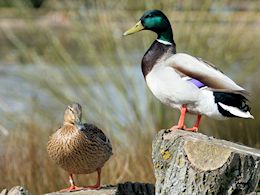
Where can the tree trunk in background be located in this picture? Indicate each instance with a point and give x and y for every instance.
(193, 163)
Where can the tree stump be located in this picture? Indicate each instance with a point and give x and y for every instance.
(193, 163)
(119, 189)
(16, 190)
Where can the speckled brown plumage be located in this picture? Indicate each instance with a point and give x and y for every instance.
(78, 148)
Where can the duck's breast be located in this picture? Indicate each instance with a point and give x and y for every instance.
(167, 85)
(76, 154)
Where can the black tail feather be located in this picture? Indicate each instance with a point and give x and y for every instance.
(231, 99)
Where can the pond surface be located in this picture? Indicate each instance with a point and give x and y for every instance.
(40, 93)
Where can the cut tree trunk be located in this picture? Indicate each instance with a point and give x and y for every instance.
(119, 189)
(16, 190)
(193, 163)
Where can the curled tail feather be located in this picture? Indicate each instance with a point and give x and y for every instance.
(232, 104)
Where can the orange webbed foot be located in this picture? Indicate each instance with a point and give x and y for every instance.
(71, 189)
(177, 127)
(95, 187)
(192, 129)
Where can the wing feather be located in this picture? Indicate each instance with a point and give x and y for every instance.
(94, 133)
(203, 71)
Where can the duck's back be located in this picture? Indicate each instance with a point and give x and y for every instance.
(79, 151)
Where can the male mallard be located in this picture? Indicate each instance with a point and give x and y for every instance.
(79, 148)
(185, 82)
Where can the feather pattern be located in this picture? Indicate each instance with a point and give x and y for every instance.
(79, 151)
(234, 111)
(201, 70)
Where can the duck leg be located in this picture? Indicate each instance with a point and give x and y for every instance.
(181, 119)
(97, 185)
(72, 187)
(195, 128)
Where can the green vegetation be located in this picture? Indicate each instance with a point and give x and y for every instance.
(69, 37)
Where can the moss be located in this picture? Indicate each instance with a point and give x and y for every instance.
(166, 154)
(157, 165)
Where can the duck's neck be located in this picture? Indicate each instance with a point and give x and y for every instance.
(160, 49)
(166, 36)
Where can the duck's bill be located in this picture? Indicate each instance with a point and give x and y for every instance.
(138, 27)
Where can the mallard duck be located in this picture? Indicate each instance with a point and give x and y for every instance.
(184, 82)
(79, 148)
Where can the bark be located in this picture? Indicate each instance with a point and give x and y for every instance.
(193, 163)
(17, 190)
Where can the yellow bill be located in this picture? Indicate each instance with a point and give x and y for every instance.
(136, 28)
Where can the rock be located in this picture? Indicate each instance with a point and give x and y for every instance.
(120, 189)
(17, 190)
(193, 163)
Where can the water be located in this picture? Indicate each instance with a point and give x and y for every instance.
(40, 92)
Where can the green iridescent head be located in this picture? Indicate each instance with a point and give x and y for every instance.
(156, 21)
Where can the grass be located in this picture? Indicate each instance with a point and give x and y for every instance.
(111, 89)
(26, 163)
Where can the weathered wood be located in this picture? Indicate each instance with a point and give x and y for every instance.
(108, 190)
(120, 189)
(193, 163)
(16, 190)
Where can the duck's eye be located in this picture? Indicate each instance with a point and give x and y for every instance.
(71, 110)
(149, 15)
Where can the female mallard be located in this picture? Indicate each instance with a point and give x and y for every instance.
(79, 148)
(186, 82)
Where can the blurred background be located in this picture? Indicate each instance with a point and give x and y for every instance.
(54, 52)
